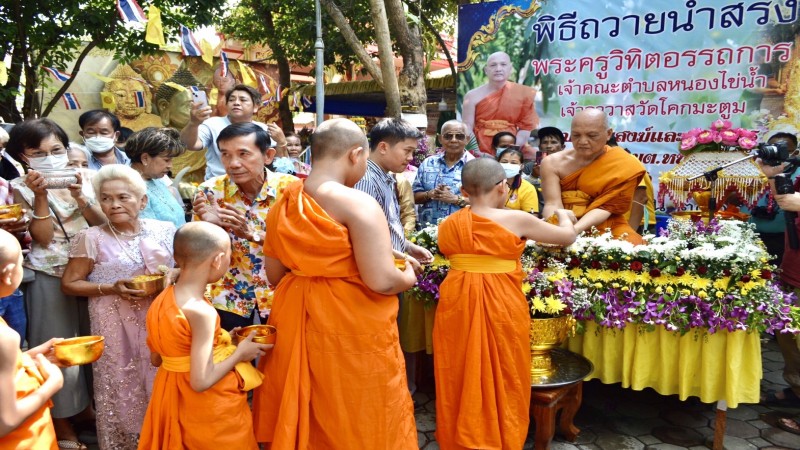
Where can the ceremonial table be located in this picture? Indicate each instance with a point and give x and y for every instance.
(724, 367)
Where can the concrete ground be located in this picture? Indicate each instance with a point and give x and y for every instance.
(613, 418)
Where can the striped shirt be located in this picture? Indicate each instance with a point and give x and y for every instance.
(382, 187)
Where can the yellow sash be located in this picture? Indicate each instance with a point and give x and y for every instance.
(250, 377)
(577, 201)
(482, 263)
(494, 126)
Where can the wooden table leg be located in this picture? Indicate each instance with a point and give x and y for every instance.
(571, 403)
(720, 425)
(545, 418)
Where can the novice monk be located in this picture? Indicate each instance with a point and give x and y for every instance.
(336, 378)
(481, 333)
(199, 396)
(25, 385)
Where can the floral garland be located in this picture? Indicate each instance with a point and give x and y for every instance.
(720, 136)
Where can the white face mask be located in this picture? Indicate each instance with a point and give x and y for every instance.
(49, 162)
(99, 144)
(511, 170)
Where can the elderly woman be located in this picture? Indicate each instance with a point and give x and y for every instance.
(521, 194)
(238, 202)
(101, 260)
(437, 187)
(56, 215)
(151, 151)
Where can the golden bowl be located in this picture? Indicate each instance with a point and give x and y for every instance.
(265, 334)
(150, 284)
(79, 350)
(13, 211)
(400, 263)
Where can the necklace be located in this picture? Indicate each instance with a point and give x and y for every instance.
(115, 231)
(124, 249)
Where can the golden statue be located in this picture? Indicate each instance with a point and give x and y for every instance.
(132, 111)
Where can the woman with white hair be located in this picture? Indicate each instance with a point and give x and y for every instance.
(101, 260)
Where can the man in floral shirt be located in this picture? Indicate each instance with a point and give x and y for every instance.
(239, 202)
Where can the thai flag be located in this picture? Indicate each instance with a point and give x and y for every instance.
(57, 74)
(71, 101)
(139, 99)
(306, 101)
(189, 45)
(262, 81)
(223, 57)
(278, 94)
(130, 11)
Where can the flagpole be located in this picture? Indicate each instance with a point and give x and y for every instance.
(319, 48)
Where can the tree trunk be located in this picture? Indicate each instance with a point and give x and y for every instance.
(386, 55)
(8, 103)
(352, 40)
(284, 71)
(78, 62)
(413, 95)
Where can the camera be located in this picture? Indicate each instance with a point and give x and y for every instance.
(773, 154)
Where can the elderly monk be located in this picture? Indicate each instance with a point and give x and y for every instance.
(481, 337)
(499, 105)
(336, 377)
(594, 180)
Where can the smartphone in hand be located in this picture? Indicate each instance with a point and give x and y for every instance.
(200, 97)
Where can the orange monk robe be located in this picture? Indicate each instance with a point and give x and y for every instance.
(178, 417)
(608, 183)
(508, 109)
(336, 377)
(36, 432)
(481, 338)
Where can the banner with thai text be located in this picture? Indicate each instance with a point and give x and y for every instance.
(656, 67)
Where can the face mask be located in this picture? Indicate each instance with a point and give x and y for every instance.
(49, 162)
(99, 144)
(511, 170)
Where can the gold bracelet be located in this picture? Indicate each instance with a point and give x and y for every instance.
(35, 217)
(100, 289)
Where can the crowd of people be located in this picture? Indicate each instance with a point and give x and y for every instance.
(321, 254)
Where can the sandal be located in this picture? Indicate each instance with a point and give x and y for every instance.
(66, 444)
(789, 398)
(789, 425)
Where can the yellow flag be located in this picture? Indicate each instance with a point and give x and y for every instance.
(208, 52)
(212, 96)
(155, 31)
(248, 76)
(3, 73)
(174, 85)
(100, 77)
(107, 99)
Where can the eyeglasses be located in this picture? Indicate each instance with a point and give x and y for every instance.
(500, 182)
(456, 136)
(37, 153)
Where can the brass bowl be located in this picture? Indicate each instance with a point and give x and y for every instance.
(265, 334)
(150, 284)
(79, 350)
(13, 211)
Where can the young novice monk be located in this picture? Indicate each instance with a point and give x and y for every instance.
(336, 378)
(199, 396)
(25, 385)
(481, 332)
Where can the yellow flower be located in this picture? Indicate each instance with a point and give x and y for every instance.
(413, 239)
(526, 288)
(701, 283)
(702, 294)
(575, 273)
(722, 283)
(677, 258)
(744, 291)
(626, 288)
(685, 292)
(439, 261)
(627, 258)
(720, 294)
(659, 290)
(755, 273)
(598, 285)
(554, 306)
(670, 290)
(538, 305)
(615, 285)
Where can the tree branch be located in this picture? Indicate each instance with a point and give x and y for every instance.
(429, 25)
(84, 53)
(352, 40)
(386, 56)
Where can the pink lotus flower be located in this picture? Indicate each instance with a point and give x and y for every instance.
(693, 132)
(747, 143)
(688, 143)
(729, 137)
(747, 133)
(721, 124)
(708, 136)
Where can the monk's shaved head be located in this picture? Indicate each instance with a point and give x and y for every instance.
(334, 137)
(196, 242)
(481, 175)
(591, 116)
(502, 56)
(9, 249)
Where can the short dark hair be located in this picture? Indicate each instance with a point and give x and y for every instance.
(124, 134)
(254, 94)
(496, 138)
(789, 136)
(392, 131)
(31, 133)
(96, 115)
(550, 131)
(235, 130)
(510, 151)
(154, 142)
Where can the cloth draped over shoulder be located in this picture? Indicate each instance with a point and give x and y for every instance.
(178, 417)
(608, 183)
(36, 432)
(336, 376)
(481, 338)
(507, 109)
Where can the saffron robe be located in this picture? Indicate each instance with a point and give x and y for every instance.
(178, 417)
(36, 432)
(336, 376)
(507, 109)
(608, 183)
(481, 340)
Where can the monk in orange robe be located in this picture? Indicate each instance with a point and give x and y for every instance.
(199, 398)
(595, 181)
(499, 105)
(27, 380)
(336, 377)
(481, 336)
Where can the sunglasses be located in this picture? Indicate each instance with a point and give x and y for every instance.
(456, 136)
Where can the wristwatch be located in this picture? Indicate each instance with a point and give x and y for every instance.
(462, 202)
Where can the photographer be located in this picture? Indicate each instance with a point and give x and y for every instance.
(790, 278)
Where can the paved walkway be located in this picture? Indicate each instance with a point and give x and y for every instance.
(613, 418)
